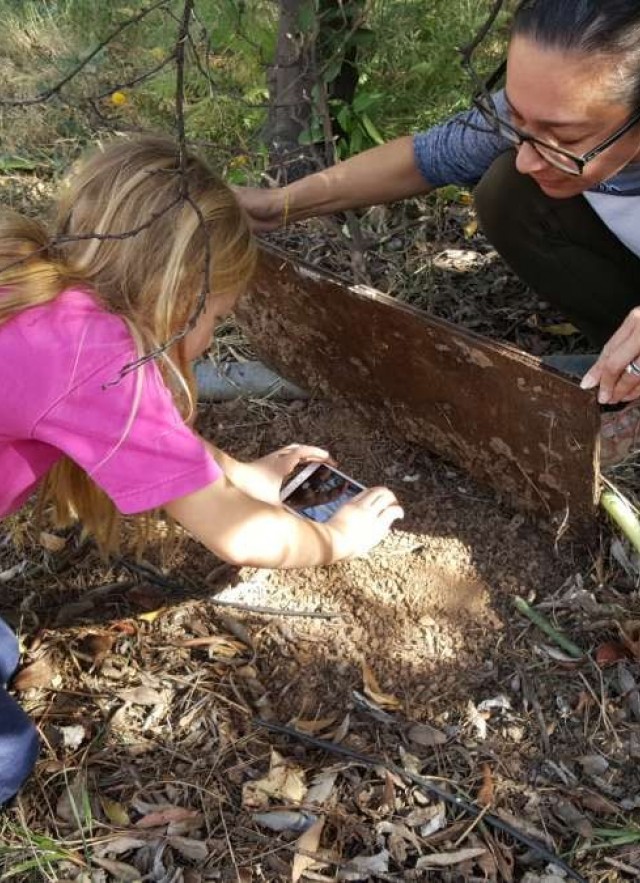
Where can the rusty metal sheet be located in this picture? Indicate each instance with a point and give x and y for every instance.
(529, 432)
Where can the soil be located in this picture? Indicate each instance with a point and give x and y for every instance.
(147, 691)
(164, 686)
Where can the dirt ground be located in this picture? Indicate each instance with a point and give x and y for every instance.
(147, 693)
(153, 683)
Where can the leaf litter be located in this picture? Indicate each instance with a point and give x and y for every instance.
(151, 749)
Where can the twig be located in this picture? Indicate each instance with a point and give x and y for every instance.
(545, 626)
(428, 788)
(622, 866)
(229, 844)
(531, 696)
(467, 51)
(181, 589)
(275, 611)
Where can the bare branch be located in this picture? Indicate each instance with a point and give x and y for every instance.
(467, 51)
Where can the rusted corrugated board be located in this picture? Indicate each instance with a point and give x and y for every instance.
(489, 408)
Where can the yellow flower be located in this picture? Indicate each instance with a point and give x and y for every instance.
(118, 99)
(238, 161)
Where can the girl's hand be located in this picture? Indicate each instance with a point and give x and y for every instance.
(364, 522)
(610, 371)
(265, 207)
(262, 479)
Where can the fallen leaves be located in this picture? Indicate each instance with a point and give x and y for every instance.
(447, 859)
(37, 675)
(373, 690)
(487, 789)
(168, 815)
(284, 782)
(308, 842)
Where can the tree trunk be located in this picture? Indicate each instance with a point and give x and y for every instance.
(290, 83)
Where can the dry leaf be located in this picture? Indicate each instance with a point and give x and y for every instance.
(141, 696)
(373, 691)
(423, 734)
(573, 818)
(72, 802)
(152, 615)
(309, 842)
(217, 645)
(446, 859)
(630, 634)
(124, 627)
(365, 867)
(119, 870)
(321, 788)
(97, 647)
(314, 726)
(237, 629)
(611, 652)
(341, 732)
(165, 816)
(118, 846)
(51, 542)
(471, 228)
(284, 781)
(194, 850)
(585, 700)
(563, 329)
(37, 675)
(486, 792)
(115, 812)
(598, 804)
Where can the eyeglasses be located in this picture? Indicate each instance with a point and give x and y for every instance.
(564, 160)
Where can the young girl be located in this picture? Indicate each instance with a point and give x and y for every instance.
(136, 231)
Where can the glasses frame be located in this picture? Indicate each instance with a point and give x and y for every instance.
(483, 101)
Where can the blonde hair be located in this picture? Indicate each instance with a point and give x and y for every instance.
(181, 213)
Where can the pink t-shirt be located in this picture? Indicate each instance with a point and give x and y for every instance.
(55, 361)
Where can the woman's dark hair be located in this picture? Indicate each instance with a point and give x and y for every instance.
(605, 27)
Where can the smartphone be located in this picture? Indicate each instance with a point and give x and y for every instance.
(317, 491)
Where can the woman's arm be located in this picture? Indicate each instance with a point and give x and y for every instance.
(379, 175)
(244, 531)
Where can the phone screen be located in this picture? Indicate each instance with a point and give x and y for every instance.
(322, 493)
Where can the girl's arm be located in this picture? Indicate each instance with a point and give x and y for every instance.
(379, 175)
(246, 532)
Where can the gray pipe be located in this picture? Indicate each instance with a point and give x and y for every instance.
(233, 380)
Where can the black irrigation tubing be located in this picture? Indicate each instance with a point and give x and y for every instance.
(183, 591)
(428, 788)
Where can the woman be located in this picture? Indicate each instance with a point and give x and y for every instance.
(555, 160)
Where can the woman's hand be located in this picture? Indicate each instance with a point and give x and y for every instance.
(265, 207)
(262, 479)
(610, 372)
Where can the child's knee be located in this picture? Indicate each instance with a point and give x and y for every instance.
(9, 653)
(19, 746)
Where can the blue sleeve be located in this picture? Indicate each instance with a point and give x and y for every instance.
(460, 150)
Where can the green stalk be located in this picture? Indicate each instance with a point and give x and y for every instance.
(623, 514)
(545, 626)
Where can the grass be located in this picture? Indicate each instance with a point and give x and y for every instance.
(411, 62)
